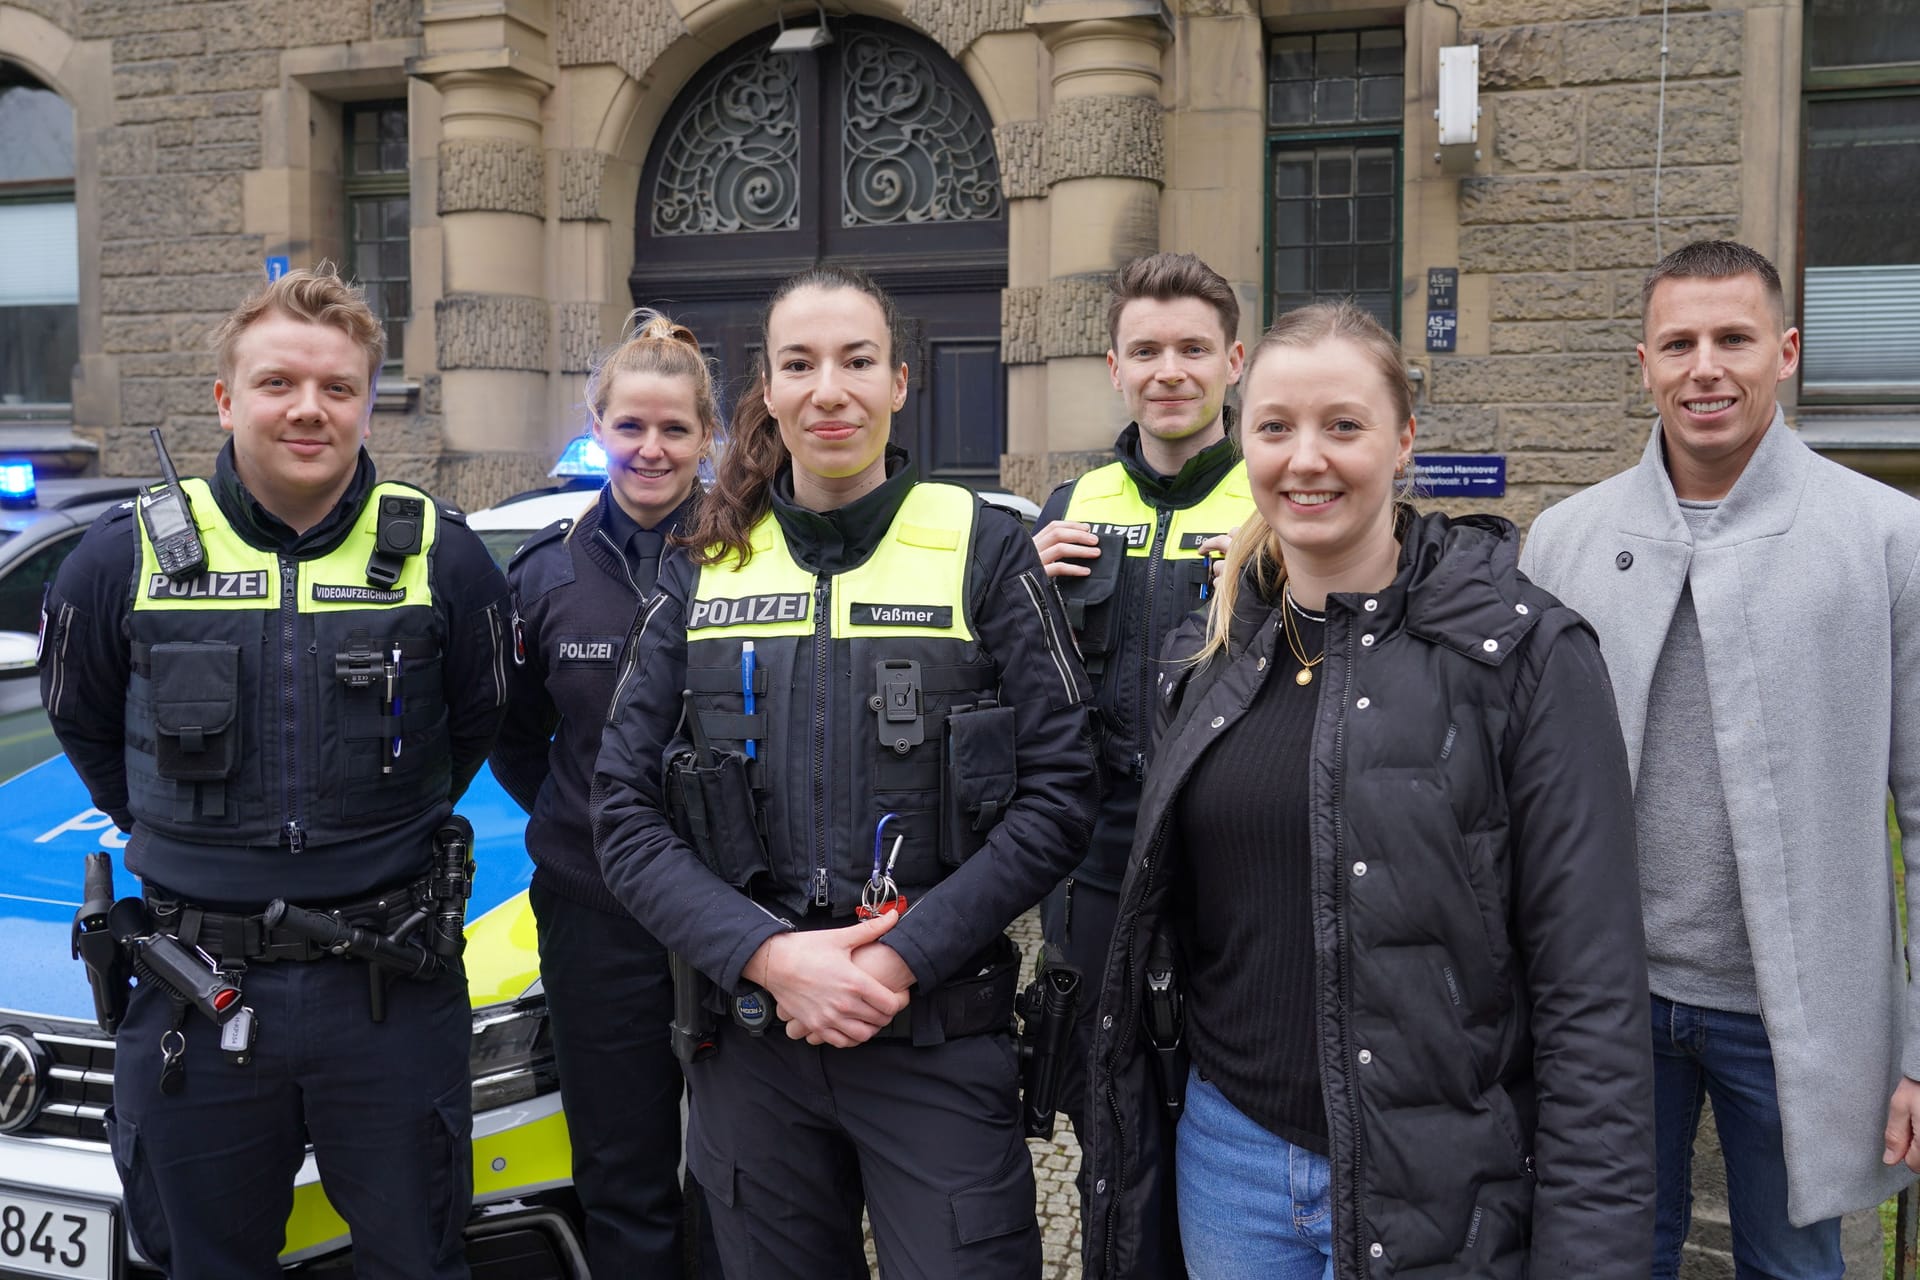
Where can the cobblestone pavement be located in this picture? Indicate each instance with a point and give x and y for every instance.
(1054, 1163)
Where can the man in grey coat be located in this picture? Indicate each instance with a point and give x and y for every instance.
(1759, 610)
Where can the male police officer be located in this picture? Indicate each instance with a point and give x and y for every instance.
(293, 721)
(1125, 545)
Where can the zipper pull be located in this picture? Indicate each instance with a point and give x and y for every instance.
(1139, 766)
(820, 887)
(296, 838)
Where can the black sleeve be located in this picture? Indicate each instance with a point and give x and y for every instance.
(1578, 933)
(472, 596)
(522, 752)
(1055, 507)
(654, 873)
(84, 663)
(1044, 832)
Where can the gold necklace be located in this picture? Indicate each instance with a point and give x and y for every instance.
(1304, 676)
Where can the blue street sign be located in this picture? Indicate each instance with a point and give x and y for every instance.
(1441, 326)
(1460, 475)
(277, 266)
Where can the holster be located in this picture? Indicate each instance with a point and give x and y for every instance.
(693, 1027)
(1163, 1015)
(101, 931)
(1049, 1009)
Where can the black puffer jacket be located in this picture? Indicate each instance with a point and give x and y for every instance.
(1480, 974)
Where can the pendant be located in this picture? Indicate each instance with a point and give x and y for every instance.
(1303, 677)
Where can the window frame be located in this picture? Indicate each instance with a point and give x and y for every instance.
(383, 185)
(45, 190)
(1282, 138)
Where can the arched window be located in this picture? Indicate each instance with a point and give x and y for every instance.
(39, 249)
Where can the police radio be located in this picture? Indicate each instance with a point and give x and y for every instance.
(168, 518)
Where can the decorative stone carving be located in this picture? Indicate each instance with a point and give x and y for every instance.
(582, 171)
(1105, 135)
(491, 331)
(1020, 325)
(1073, 316)
(629, 34)
(580, 336)
(1022, 145)
(497, 175)
(956, 24)
(916, 149)
(1215, 8)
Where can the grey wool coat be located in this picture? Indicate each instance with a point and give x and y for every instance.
(1807, 589)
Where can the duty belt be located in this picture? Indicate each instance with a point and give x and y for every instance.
(246, 937)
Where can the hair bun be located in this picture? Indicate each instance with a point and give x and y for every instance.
(644, 324)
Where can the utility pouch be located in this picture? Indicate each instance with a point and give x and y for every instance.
(1093, 603)
(196, 701)
(1195, 574)
(715, 811)
(978, 784)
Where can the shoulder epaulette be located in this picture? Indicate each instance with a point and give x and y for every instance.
(540, 538)
(450, 512)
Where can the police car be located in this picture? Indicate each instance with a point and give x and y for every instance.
(60, 1212)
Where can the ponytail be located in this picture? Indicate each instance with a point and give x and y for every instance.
(743, 483)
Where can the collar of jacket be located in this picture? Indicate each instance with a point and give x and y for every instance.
(1458, 586)
(835, 541)
(259, 527)
(1195, 480)
(1761, 503)
(602, 515)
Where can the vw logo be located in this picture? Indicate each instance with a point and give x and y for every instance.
(23, 1079)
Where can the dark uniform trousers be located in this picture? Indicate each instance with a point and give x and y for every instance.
(387, 1106)
(609, 1004)
(786, 1138)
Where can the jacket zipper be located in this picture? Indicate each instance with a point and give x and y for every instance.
(1345, 946)
(494, 629)
(633, 657)
(289, 707)
(1052, 635)
(1143, 725)
(62, 627)
(822, 660)
(602, 535)
(1130, 1014)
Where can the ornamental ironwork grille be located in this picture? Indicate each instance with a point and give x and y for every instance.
(915, 149)
(733, 161)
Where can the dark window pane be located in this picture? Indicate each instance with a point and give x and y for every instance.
(395, 216)
(393, 156)
(396, 341)
(1333, 101)
(1382, 52)
(393, 260)
(1862, 167)
(1333, 270)
(366, 157)
(1336, 172)
(366, 261)
(1380, 98)
(1379, 306)
(1333, 54)
(36, 135)
(1376, 171)
(39, 346)
(1292, 174)
(1292, 58)
(1373, 267)
(1290, 223)
(1843, 33)
(393, 124)
(1290, 102)
(1332, 221)
(363, 126)
(1290, 271)
(1374, 219)
(1285, 302)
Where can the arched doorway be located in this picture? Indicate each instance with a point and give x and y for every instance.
(872, 150)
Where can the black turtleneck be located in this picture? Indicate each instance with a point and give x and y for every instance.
(1196, 476)
(269, 532)
(838, 540)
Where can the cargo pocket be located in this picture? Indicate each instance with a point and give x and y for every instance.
(716, 812)
(1093, 603)
(196, 700)
(713, 1169)
(146, 1225)
(999, 1207)
(981, 770)
(450, 1170)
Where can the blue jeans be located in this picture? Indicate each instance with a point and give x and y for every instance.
(1252, 1205)
(1706, 1053)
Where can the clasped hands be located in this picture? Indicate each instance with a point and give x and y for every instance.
(833, 986)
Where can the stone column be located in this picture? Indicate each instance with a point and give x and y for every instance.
(1102, 163)
(492, 322)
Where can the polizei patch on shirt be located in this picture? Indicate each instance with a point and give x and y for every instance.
(586, 651)
(901, 615)
(784, 607)
(1133, 535)
(250, 584)
(357, 594)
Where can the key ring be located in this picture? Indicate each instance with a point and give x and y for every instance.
(878, 896)
(172, 1043)
(879, 839)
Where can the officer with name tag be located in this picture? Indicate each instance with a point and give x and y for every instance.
(279, 680)
(849, 745)
(1128, 546)
(577, 585)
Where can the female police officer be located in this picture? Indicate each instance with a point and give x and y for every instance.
(576, 587)
(846, 815)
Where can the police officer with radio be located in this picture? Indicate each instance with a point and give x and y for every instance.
(850, 743)
(1127, 545)
(279, 680)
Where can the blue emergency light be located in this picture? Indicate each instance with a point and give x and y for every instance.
(16, 483)
(583, 457)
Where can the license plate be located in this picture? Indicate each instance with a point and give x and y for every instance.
(52, 1235)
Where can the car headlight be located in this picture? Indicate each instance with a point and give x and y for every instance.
(512, 1053)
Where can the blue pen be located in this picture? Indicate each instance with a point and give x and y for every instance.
(746, 688)
(394, 706)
